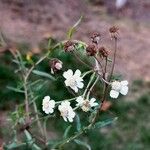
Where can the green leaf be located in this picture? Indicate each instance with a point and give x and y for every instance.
(73, 29)
(83, 144)
(78, 123)
(67, 131)
(15, 89)
(29, 138)
(43, 74)
(36, 147)
(101, 124)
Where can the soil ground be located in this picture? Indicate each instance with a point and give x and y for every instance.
(31, 21)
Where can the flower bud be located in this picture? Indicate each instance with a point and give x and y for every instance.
(91, 50)
(69, 46)
(95, 37)
(55, 65)
(103, 52)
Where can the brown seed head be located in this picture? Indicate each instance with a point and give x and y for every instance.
(91, 50)
(69, 46)
(95, 37)
(103, 52)
(114, 31)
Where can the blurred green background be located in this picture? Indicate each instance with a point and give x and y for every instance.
(27, 27)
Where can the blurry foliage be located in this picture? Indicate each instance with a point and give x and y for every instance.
(132, 131)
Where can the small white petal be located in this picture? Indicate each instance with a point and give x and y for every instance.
(52, 103)
(93, 103)
(46, 99)
(114, 94)
(80, 85)
(124, 83)
(68, 74)
(65, 119)
(77, 73)
(74, 88)
(80, 101)
(124, 90)
(70, 119)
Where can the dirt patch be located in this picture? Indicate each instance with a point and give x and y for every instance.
(31, 21)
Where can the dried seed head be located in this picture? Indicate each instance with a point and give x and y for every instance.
(91, 50)
(103, 52)
(95, 37)
(55, 65)
(69, 46)
(114, 31)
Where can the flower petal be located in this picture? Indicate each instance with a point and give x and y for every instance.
(77, 73)
(46, 99)
(68, 74)
(114, 94)
(74, 88)
(93, 103)
(52, 103)
(124, 83)
(124, 90)
(80, 85)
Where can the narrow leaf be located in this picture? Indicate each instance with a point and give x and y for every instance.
(83, 144)
(67, 131)
(78, 123)
(43, 74)
(15, 89)
(72, 29)
(101, 124)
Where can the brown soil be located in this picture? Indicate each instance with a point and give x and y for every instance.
(31, 21)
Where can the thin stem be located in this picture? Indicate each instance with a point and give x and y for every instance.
(99, 64)
(58, 102)
(88, 94)
(26, 100)
(86, 73)
(114, 59)
(91, 79)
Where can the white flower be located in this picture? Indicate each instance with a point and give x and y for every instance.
(119, 87)
(86, 105)
(74, 81)
(66, 111)
(48, 105)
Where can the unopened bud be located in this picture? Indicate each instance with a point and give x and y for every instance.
(55, 65)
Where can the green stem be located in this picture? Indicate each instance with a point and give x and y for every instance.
(90, 81)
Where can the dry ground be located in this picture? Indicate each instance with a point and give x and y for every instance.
(31, 21)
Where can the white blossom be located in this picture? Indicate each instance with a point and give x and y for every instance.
(74, 81)
(86, 105)
(66, 111)
(48, 105)
(119, 87)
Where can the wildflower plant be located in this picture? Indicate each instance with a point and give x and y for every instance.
(80, 83)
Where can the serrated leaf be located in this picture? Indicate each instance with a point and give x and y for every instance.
(43, 74)
(83, 144)
(67, 131)
(72, 29)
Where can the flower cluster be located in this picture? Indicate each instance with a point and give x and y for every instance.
(119, 87)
